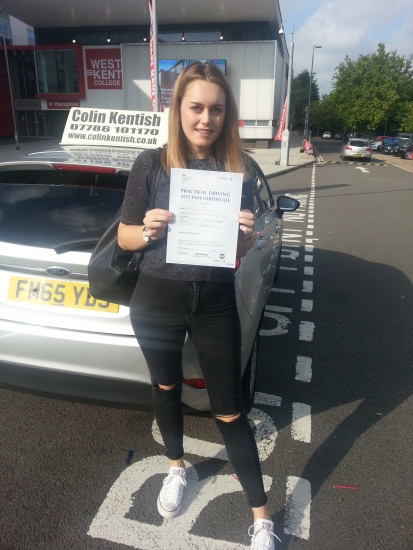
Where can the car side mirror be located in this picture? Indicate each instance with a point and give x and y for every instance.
(287, 204)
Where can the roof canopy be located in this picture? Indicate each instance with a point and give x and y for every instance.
(100, 13)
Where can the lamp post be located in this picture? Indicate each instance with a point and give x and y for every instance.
(307, 118)
(285, 139)
(13, 107)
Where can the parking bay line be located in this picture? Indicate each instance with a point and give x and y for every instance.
(297, 507)
(303, 370)
(301, 422)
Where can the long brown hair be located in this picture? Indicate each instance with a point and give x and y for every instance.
(227, 149)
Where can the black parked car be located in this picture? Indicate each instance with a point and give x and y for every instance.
(399, 149)
(406, 152)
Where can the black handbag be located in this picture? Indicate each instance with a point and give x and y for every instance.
(113, 272)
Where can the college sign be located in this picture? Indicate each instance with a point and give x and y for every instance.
(103, 68)
(115, 127)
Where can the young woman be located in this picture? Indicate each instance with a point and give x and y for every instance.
(172, 300)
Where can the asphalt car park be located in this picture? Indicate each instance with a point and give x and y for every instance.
(59, 340)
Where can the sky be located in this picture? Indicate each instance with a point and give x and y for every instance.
(346, 27)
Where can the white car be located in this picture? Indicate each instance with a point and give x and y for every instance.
(327, 135)
(377, 145)
(356, 148)
(55, 338)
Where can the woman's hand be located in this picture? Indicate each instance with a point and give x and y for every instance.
(246, 222)
(130, 237)
(156, 221)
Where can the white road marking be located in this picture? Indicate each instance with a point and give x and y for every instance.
(297, 508)
(362, 169)
(279, 309)
(309, 248)
(308, 286)
(288, 245)
(306, 305)
(308, 270)
(281, 328)
(301, 424)
(288, 268)
(308, 258)
(290, 254)
(283, 290)
(303, 370)
(111, 524)
(267, 399)
(306, 331)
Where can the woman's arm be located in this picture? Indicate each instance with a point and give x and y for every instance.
(130, 237)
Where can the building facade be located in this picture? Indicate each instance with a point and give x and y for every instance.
(108, 67)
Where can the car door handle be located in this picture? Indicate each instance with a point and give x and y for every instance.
(277, 229)
(261, 242)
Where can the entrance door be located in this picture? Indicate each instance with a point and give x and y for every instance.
(33, 121)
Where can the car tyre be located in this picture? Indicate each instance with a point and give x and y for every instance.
(250, 375)
(408, 155)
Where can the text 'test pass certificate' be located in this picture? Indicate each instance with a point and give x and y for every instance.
(205, 229)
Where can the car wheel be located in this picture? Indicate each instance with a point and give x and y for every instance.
(368, 160)
(344, 158)
(408, 155)
(250, 375)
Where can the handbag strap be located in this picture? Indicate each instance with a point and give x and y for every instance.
(137, 257)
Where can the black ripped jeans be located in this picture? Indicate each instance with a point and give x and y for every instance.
(162, 313)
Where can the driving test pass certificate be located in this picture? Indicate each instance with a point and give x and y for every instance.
(205, 228)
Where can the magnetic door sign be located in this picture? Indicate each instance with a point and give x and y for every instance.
(115, 128)
(104, 68)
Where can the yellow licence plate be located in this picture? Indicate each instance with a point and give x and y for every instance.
(56, 293)
(357, 155)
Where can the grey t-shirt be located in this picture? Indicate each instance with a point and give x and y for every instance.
(134, 209)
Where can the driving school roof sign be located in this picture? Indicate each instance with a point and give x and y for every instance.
(140, 129)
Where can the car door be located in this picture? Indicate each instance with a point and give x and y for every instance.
(256, 274)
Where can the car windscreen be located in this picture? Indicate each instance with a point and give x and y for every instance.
(45, 208)
(359, 143)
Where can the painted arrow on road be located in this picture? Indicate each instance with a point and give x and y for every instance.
(362, 169)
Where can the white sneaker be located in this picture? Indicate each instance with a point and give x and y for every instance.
(263, 536)
(170, 496)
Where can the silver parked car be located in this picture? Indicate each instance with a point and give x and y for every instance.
(356, 148)
(55, 338)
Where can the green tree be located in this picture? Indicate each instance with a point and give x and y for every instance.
(373, 91)
(324, 115)
(300, 86)
(407, 120)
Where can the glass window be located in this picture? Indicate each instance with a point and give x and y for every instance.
(262, 122)
(249, 122)
(57, 72)
(203, 36)
(23, 74)
(265, 193)
(91, 38)
(170, 37)
(5, 30)
(257, 208)
(47, 207)
(30, 36)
